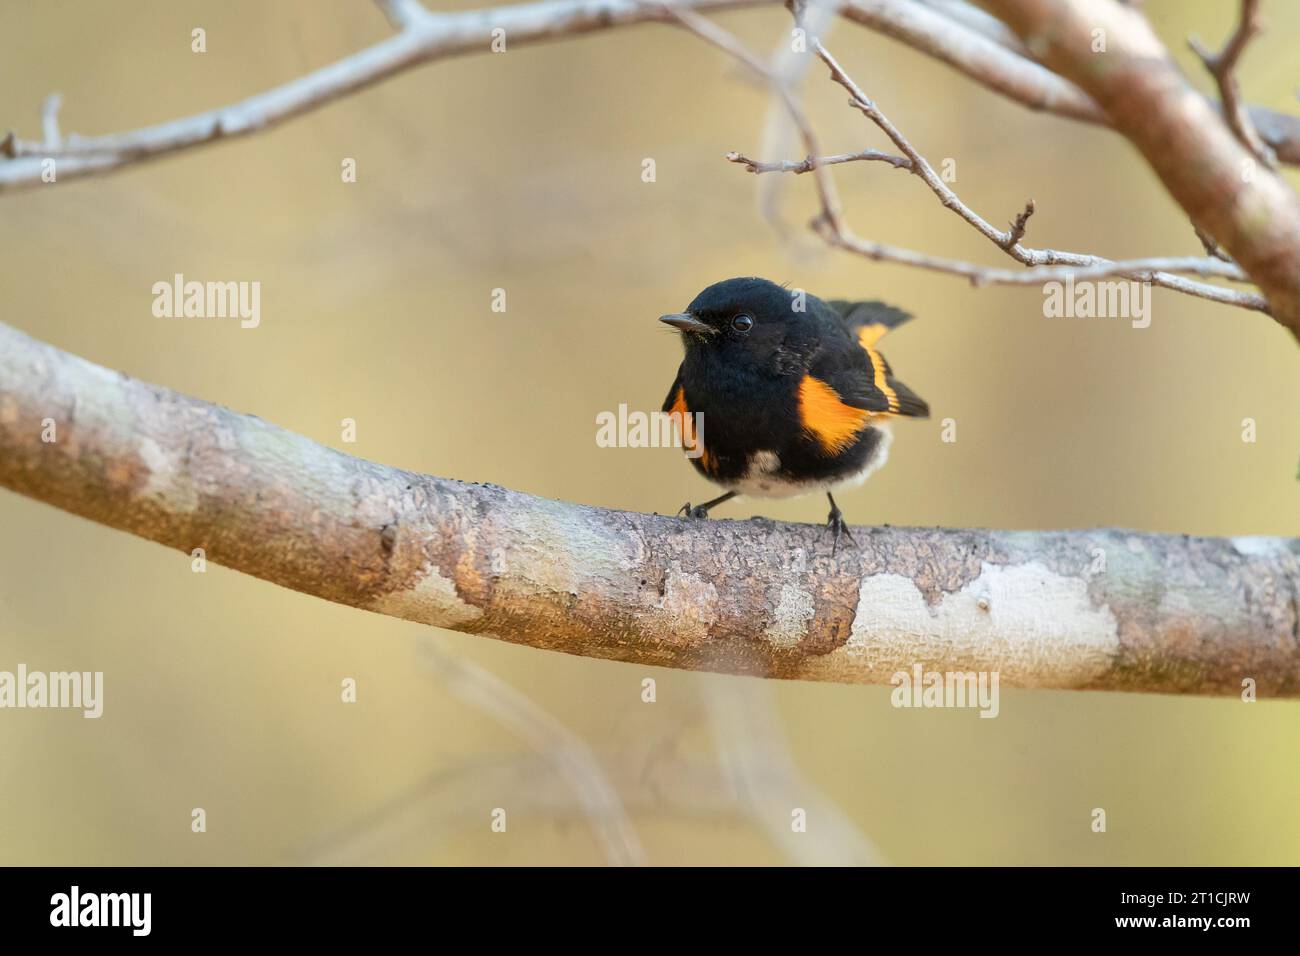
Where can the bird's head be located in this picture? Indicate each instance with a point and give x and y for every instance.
(741, 316)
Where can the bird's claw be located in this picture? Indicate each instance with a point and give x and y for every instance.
(836, 524)
(686, 511)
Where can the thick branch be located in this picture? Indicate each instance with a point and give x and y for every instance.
(1247, 208)
(1168, 613)
(983, 55)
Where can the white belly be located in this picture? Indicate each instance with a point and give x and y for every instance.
(761, 480)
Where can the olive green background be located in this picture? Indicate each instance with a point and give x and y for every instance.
(523, 171)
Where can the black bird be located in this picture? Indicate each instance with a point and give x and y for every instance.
(792, 395)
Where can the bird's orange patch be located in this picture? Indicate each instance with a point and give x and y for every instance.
(834, 424)
(686, 423)
(867, 337)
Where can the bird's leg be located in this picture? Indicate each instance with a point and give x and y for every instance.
(836, 524)
(702, 511)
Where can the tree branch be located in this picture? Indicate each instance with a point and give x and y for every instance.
(421, 39)
(1248, 209)
(426, 37)
(983, 55)
(1102, 609)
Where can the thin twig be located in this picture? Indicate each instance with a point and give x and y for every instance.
(920, 166)
(565, 750)
(1137, 270)
(833, 229)
(1082, 265)
(1018, 226)
(1211, 244)
(413, 824)
(1223, 67)
(429, 37)
(752, 750)
(809, 163)
(789, 64)
(720, 38)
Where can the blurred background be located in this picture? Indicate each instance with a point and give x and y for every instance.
(522, 171)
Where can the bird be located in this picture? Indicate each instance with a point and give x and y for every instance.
(789, 391)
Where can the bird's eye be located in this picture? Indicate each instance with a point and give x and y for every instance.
(742, 322)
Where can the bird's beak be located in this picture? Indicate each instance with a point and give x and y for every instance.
(686, 322)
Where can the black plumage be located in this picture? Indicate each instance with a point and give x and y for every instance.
(793, 394)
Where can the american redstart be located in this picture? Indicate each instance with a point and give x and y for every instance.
(793, 396)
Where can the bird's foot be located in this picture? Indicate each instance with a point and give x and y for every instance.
(839, 528)
(702, 511)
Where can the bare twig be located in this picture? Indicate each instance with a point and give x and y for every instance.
(1223, 66)
(450, 800)
(809, 163)
(565, 750)
(720, 38)
(1018, 226)
(757, 778)
(762, 598)
(832, 227)
(1211, 246)
(1135, 270)
(421, 39)
(919, 165)
(788, 65)
(1009, 240)
(751, 747)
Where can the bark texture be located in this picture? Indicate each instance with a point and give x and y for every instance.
(1103, 609)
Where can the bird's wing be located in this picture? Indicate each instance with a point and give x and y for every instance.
(860, 376)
